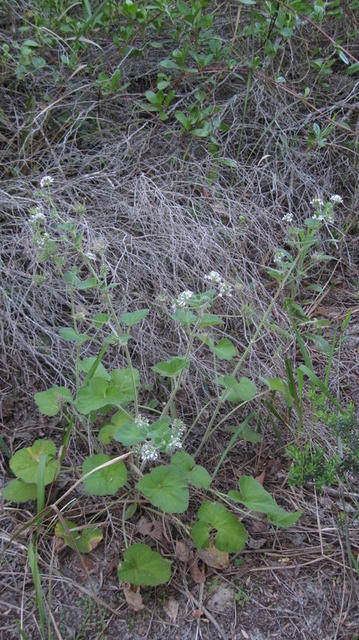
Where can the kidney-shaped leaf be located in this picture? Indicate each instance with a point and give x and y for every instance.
(19, 491)
(253, 495)
(50, 401)
(25, 462)
(142, 566)
(196, 475)
(224, 349)
(104, 482)
(166, 487)
(84, 541)
(242, 391)
(92, 396)
(231, 535)
(170, 368)
(133, 317)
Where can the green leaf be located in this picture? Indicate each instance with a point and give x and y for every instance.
(196, 475)
(120, 390)
(142, 566)
(109, 429)
(277, 384)
(185, 317)
(242, 391)
(209, 320)
(100, 319)
(199, 477)
(231, 535)
(224, 349)
(129, 434)
(166, 487)
(170, 368)
(354, 68)
(107, 481)
(98, 392)
(50, 401)
(67, 333)
(87, 363)
(133, 317)
(25, 462)
(256, 498)
(84, 541)
(183, 460)
(92, 396)
(243, 432)
(88, 283)
(19, 491)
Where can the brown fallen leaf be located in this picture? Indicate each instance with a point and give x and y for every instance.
(197, 613)
(261, 477)
(182, 552)
(197, 573)
(214, 558)
(171, 608)
(256, 543)
(133, 598)
(222, 597)
(148, 528)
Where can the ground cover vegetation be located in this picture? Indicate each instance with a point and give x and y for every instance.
(179, 293)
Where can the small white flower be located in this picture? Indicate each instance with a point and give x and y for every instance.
(37, 214)
(182, 299)
(319, 217)
(175, 442)
(213, 276)
(317, 202)
(149, 452)
(46, 181)
(336, 199)
(288, 217)
(90, 255)
(141, 422)
(224, 288)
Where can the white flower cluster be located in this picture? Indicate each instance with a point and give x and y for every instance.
(90, 255)
(317, 202)
(149, 452)
(224, 288)
(37, 214)
(336, 199)
(46, 181)
(288, 217)
(280, 256)
(142, 422)
(183, 298)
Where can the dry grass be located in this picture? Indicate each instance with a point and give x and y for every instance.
(166, 214)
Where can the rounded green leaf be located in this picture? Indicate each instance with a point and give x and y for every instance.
(170, 368)
(210, 320)
(67, 333)
(253, 495)
(49, 402)
(92, 396)
(231, 534)
(86, 365)
(84, 541)
(225, 349)
(25, 462)
(107, 481)
(242, 391)
(133, 317)
(199, 477)
(166, 487)
(142, 566)
(19, 491)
